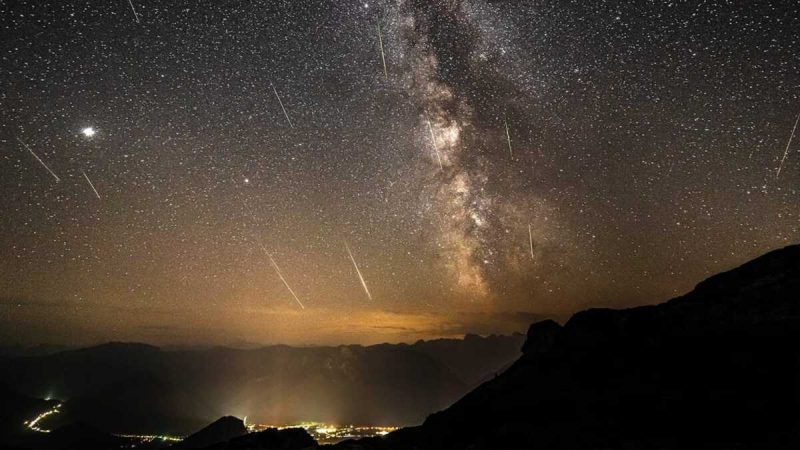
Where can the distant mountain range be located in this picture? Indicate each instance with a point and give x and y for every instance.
(137, 388)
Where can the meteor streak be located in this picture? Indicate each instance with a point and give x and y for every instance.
(786, 152)
(435, 147)
(508, 136)
(530, 240)
(136, 16)
(281, 103)
(280, 275)
(39, 159)
(360, 277)
(383, 57)
(90, 184)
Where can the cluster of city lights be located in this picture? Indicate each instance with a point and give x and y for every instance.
(325, 433)
(35, 423)
(147, 438)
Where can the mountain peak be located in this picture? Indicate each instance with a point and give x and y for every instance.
(541, 336)
(221, 430)
(117, 347)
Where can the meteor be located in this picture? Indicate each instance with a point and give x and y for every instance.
(136, 16)
(39, 159)
(530, 240)
(280, 275)
(360, 277)
(508, 137)
(786, 152)
(281, 103)
(383, 57)
(435, 147)
(91, 184)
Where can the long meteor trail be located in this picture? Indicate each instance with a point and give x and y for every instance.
(280, 275)
(508, 137)
(435, 147)
(530, 240)
(38, 159)
(281, 103)
(383, 57)
(360, 277)
(91, 184)
(788, 144)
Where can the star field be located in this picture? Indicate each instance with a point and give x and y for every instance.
(250, 171)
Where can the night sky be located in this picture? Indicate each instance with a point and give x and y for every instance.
(511, 160)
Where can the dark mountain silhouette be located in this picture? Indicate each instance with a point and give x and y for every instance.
(223, 430)
(36, 350)
(716, 368)
(270, 439)
(140, 389)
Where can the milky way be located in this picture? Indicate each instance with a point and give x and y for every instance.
(486, 163)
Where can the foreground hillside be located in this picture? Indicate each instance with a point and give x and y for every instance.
(716, 368)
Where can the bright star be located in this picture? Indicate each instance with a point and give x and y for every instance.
(88, 132)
